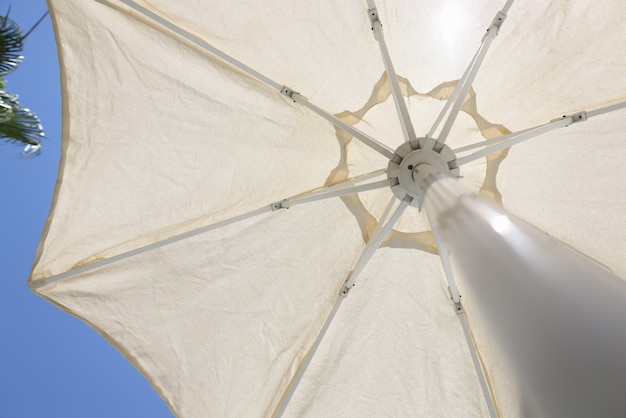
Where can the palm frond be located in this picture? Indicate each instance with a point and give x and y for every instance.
(35, 25)
(22, 124)
(17, 123)
(6, 105)
(6, 112)
(11, 45)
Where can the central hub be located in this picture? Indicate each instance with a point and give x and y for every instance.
(404, 173)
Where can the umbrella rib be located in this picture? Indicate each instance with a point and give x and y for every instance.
(505, 141)
(498, 144)
(476, 359)
(464, 88)
(338, 189)
(606, 109)
(375, 241)
(465, 83)
(295, 381)
(453, 97)
(460, 311)
(358, 134)
(403, 113)
(296, 97)
(507, 6)
(377, 237)
(36, 284)
(348, 182)
(494, 141)
(334, 191)
(198, 41)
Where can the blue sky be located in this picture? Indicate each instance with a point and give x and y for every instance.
(51, 364)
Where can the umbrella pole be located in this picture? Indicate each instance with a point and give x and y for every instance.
(558, 317)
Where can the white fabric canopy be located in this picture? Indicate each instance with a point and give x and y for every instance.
(162, 138)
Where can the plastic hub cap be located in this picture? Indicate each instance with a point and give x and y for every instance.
(403, 171)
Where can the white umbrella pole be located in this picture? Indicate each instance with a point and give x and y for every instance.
(559, 318)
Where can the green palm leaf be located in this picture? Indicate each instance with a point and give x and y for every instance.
(21, 124)
(17, 123)
(11, 45)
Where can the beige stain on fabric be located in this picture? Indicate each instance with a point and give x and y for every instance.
(423, 240)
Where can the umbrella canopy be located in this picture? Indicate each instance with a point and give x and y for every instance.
(187, 124)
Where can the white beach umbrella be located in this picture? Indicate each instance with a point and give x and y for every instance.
(231, 170)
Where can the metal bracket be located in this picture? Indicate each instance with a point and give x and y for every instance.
(576, 117)
(495, 24)
(277, 205)
(286, 91)
(346, 289)
(373, 15)
(458, 307)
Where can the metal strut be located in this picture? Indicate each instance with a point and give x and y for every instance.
(455, 296)
(328, 192)
(471, 72)
(172, 28)
(403, 112)
(375, 240)
(293, 385)
(506, 141)
(346, 187)
(361, 136)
